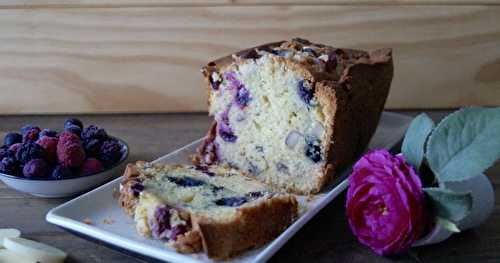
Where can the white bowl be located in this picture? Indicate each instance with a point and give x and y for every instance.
(54, 188)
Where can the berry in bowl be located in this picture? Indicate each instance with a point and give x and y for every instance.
(47, 163)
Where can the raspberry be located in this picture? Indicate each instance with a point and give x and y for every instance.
(68, 137)
(61, 172)
(70, 153)
(50, 146)
(29, 151)
(36, 168)
(12, 138)
(110, 152)
(91, 166)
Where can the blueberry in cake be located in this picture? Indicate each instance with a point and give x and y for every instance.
(211, 209)
(290, 113)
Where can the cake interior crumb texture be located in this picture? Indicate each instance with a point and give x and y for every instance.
(289, 113)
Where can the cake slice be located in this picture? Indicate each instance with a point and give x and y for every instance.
(210, 209)
(291, 113)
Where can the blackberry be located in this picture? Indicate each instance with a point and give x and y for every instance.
(185, 181)
(92, 147)
(94, 132)
(36, 168)
(29, 151)
(110, 152)
(313, 149)
(9, 165)
(305, 92)
(231, 201)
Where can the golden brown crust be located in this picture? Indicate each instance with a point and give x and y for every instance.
(252, 226)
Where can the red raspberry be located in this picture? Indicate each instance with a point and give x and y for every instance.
(91, 166)
(70, 153)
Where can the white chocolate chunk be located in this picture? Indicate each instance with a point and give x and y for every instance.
(35, 251)
(8, 232)
(7, 256)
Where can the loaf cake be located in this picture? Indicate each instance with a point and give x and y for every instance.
(210, 209)
(291, 113)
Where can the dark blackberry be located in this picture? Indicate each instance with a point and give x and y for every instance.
(73, 121)
(161, 221)
(306, 92)
(9, 165)
(313, 149)
(185, 181)
(29, 151)
(231, 201)
(110, 152)
(36, 168)
(137, 188)
(92, 147)
(12, 138)
(94, 132)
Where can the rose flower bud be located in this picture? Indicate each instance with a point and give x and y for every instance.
(385, 203)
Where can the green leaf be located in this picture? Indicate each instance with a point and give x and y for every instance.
(449, 205)
(415, 138)
(464, 144)
(448, 225)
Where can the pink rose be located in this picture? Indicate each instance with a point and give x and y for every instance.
(385, 203)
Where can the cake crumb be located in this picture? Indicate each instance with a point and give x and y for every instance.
(108, 221)
(87, 221)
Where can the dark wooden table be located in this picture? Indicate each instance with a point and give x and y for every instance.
(326, 238)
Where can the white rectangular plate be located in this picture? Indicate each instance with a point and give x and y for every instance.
(112, 226)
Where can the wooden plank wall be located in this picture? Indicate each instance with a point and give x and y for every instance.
(64, 56)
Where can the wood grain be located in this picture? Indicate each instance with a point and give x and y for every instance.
(22, 4)
(57, 60)
(327, 238)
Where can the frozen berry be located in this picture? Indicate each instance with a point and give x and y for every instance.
(92, 147)
(48, 133)
(9, 165)
(29, 151)
(161, 221)
(31, 135)
(61, 172)
(137, 188)
(27, 128)
(68, 137)
(231, 201)
(36, 168)
(110, 152)
(94, 132)
(70, 154)
(313, 149)
(73, 129)
(73, 121)
(226, 133)
(5, 152)
(185, 181)
(12, 138)
(14, 147)
(50, 146)
(306, 92)
(91, 166)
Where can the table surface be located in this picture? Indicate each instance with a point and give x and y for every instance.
(326, 238)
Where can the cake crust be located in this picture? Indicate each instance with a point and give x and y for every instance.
(352, 97)
(253, 226)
